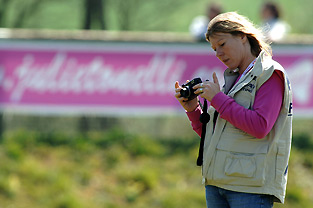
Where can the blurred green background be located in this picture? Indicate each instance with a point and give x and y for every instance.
(133, 162)
(139, 15)
(129, 162)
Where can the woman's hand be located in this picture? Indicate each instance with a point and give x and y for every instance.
(208, 89)
(188, 105)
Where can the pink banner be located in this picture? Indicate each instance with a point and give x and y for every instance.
(119, 79)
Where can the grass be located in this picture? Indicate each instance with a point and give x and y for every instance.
(107, 170)
(121, 168)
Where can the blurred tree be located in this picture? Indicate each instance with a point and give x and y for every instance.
(126, 10)
(94, 14)
(24, 10)
(3, 10)
(141, 14)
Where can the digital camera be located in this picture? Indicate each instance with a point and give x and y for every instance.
(187, 90)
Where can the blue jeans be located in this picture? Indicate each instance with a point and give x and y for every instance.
(221, 198)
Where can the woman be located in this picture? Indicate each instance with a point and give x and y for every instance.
(273, 26)
(248, 138)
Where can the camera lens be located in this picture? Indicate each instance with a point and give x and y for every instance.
(185, 92)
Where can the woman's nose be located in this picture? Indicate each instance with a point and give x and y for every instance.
(219, 53)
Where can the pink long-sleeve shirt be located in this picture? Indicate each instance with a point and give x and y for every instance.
(257, 122)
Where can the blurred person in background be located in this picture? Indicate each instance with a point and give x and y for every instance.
(247, 142)
(199, 24)
(274, 28)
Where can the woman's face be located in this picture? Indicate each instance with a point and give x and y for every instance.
(230, 49)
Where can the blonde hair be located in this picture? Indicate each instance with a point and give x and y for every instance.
(235, 24)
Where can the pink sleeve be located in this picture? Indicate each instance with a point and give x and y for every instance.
(194, 117)
(267, 104)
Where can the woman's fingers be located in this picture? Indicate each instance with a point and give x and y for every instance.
(215, 79)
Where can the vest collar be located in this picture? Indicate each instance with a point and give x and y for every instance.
(230, 76)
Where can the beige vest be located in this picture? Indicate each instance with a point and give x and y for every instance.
(237, 161)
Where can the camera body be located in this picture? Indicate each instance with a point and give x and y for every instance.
(187, 90)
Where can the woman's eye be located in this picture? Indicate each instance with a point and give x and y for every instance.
(222, 44)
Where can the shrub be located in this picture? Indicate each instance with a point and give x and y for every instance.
(142, 145)
(302, 141)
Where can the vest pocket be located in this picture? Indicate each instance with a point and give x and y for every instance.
(235, 168)
(281, 164)
(239, 166)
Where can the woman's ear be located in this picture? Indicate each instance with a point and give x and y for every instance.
(243, 38)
